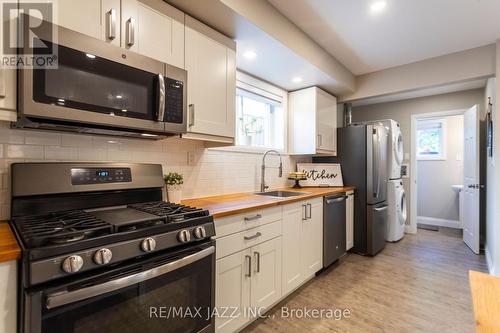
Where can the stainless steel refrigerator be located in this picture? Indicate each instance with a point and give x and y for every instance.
(362, 153)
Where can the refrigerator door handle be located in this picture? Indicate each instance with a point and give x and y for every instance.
(381, 209)
(376, 171)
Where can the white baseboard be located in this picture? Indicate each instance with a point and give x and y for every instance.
(491, 268)
(439, 222)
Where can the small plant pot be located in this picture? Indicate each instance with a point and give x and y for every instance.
(247, 140)
(174, 194)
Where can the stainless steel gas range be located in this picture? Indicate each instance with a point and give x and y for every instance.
(103, 253)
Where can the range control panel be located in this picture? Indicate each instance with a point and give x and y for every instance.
(87, 176)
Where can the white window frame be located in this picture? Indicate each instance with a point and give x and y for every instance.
(254, 85)
(442, 156)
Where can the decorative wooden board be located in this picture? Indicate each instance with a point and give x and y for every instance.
(321, 174)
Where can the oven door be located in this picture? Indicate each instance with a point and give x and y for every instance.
(173, 293)
(97, 84)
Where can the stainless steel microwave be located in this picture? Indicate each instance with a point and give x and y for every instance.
(99, 88)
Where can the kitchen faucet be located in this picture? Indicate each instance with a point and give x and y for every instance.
(263, 186)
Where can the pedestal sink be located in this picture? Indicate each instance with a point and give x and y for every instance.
(457, 188)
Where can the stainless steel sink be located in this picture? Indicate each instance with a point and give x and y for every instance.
(281, 194)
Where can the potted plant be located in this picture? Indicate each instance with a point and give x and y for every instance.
(173, 181)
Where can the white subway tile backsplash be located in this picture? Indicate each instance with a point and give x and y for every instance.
(213, 171)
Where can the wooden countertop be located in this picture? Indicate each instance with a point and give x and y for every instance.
(485, 290)
(231, 204)
(9, 249)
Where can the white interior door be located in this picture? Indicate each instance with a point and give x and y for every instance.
(471, 179)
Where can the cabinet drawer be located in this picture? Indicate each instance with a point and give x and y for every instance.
(236, 223)
(248, 238)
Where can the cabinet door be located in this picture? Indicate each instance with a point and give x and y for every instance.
(233, 275)
(77, 15)
(211, 69)
(292, 275)
(266, 280)
(8, 86)
(312, 238)
(110, 20)
(326, 121)
(302, 121)
(349, 220)
(160, 33)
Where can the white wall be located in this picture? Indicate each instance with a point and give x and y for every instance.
(214, 171)
(401, 111)
(436, 198)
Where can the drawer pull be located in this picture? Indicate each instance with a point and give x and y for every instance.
(258, 234)
(257, 261)
(253, 218)
(249, 272)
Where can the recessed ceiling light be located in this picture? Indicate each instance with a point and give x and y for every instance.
(124, 110)
(378, 6)
(60, 100)
(297, 79)
(91, 56)
(148, 135)
(119, 96)
(250, 55)
(112, 141)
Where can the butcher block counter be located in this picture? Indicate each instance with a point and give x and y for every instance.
(9, 249)
(231, 204)
(485, 290)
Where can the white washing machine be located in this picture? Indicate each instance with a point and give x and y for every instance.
(395, 156)
(396, 200)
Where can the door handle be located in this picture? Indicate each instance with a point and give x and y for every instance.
(258, 234)
(256, 256)
(381, 209)
(161, 98)
(249, 269)
(111, 19)
(130, 32)
(191, 115)
(252, 218)
(329, 201)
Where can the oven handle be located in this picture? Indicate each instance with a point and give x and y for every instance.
(58, 299)
(161, 98)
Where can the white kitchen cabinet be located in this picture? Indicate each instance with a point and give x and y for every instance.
(8, 296)
(210, 61)
(302, 242)
(266, 280)
(349, 214)
(8, 89)
(81, 16)
(312, 122)
(232, 289)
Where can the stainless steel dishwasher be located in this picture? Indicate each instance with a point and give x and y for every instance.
(334, 233)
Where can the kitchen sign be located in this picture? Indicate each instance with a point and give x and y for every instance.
(321, 174)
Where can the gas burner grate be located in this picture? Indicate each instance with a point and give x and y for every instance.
(60, 228)
(170, 211)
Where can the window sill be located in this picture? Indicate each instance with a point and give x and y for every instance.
(247, 150)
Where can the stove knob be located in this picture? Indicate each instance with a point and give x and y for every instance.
(184, 236)
(103, 256)
(199, 232)
(148, 244)
(72, 264)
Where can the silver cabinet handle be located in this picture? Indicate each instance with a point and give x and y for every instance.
(252, 218)
(256, 256)
(130, 32)
(111, 20)
(191, 115)
(304, 215)
(249, 269)
(258, 234)
(161, 98)
(68, 297)
(310, 211)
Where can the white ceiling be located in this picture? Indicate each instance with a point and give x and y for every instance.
(404, 32)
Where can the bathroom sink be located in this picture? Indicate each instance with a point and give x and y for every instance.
(281, 194)
(457, 188)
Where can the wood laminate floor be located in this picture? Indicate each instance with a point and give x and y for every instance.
(419, 284)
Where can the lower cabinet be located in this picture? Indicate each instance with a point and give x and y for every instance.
(249, 279)
(302, 242)
(8, 296)
(349, 214)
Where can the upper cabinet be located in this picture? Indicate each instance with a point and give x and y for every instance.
(211, 66)
(313, 122)
(149, 27)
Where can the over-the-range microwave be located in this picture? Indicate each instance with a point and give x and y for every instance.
(99, 88)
